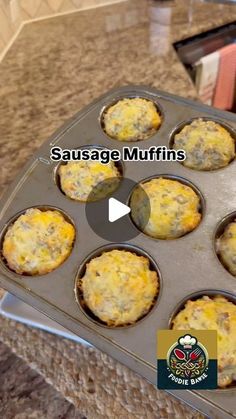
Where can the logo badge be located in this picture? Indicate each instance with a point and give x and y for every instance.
(189, 359)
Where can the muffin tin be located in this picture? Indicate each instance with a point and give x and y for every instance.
(187, 265)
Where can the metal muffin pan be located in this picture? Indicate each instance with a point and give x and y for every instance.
(187, 265)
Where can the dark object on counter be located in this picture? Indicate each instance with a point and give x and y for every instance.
(221, 1)
(190, 50)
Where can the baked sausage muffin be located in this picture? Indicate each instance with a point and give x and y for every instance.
(216, 313)
(174, 208)
(208, 145)
(131, 119)
(119, 287)
(79, 179)
(226, 247)
(38, 242)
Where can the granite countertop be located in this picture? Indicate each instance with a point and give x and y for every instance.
(58, 65)
(54, 68)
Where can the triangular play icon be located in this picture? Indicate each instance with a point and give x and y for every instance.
(116, 210)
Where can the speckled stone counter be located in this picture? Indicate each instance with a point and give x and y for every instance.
(54, 68)
(59, 65)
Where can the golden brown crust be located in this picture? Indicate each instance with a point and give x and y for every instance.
(208, 145)
(38, 242)
(78, 180)
(214, 313)
(119, 287)
(175, 208)
(132, 119)
(226, 248)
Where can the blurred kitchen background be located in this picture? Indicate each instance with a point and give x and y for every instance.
(209, 56)
(13, 13)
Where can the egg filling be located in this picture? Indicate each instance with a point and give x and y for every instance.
(175, 208)
(226, 248)
(38, 242)
(131, 119)
(88, 180)
(216, 313)
(119, 287)
(208, 145)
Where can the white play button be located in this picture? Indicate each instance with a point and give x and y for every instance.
(116, 210)
(109, 218)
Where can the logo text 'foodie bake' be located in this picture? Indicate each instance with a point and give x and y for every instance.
(187, 362)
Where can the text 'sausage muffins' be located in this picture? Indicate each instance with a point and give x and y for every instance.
(38, 242)
(226, 247)
(119, 287)
(88, 180)
(175, 208)
(216, 313)
(131, 119)
(208, 145)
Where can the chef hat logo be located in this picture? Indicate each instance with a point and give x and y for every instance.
(187, 341)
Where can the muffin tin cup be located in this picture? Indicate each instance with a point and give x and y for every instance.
(218, 233)
(180, 126)
(194, 296)
(184, 181)
(119, 165)
(186, 266)
(3, 261)
(131, 96)
(128, 247)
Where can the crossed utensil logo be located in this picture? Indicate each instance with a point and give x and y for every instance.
(187, 358)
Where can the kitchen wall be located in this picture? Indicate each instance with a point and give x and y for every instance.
(13, 14)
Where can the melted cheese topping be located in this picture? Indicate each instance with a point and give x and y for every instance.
(79, 180)
(119, 287)
(208, 145)
(219, 314)
(174, 208)
(226, 246)
(38, 242)
(131, 119)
